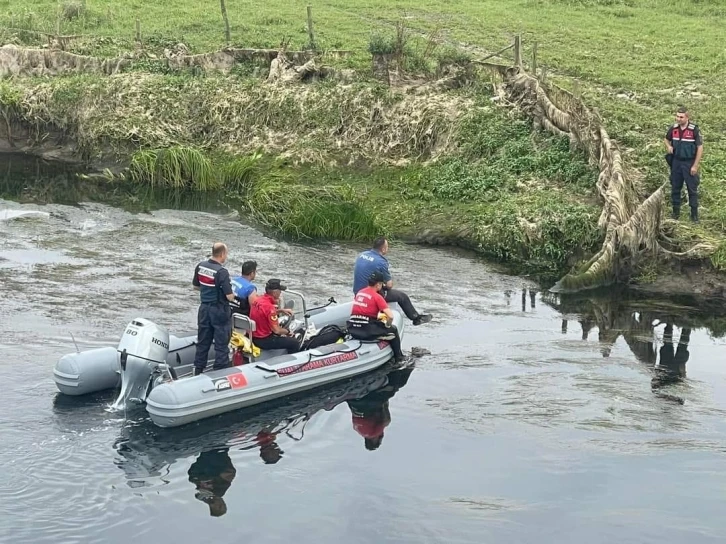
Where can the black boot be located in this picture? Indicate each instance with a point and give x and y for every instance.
(676, 212)
(694, 215)
(420, 319)
(198, 371)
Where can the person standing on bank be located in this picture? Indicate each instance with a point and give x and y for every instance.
(685, 149)
(374, 260)
(214, 319)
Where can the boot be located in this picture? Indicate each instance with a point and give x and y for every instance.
(198, 371)
(676, 212)
(420, 319)
(694, 215)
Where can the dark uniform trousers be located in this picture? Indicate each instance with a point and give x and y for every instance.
(274, 341)
(680, 173)
(403, 300)
(373, 329)
(213, 320)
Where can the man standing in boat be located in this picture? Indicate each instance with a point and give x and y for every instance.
(374, 260)
(214, 319)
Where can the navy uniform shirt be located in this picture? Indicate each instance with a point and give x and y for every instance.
(213, 281)
(368, 262)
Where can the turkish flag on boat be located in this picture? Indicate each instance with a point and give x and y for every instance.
(237, 380)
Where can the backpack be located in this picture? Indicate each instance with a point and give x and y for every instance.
(330, 334)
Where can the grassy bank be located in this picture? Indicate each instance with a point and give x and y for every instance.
(319, 123)
(447, 166)
(517, 198)
(635, 61)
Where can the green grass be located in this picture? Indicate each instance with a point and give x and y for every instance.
(636, 61)
(516, 197)
(134, 111)
(268, 191)
(651, 48)
(175, 167)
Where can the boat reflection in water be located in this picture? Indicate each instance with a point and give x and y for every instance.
(146, 452)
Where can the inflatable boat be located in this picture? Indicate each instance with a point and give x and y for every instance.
(154, 368)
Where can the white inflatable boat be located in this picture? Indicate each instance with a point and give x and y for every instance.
(154, 368)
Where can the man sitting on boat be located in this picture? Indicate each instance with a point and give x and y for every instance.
(264, 312)
(245, 292)
(364, 322)
(374, 260)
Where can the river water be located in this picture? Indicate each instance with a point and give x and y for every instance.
(534, 419)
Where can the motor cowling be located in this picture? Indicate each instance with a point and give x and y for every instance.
(143, 349)
(146, 340)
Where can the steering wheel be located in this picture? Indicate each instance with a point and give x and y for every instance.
(284, 320)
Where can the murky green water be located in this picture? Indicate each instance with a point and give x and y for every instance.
(535, 419)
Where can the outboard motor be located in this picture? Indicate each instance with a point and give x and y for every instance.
(144, 348)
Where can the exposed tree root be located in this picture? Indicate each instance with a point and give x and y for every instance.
(632, 230)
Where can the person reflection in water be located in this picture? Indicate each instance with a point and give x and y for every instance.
(672, 366)
(371, 414)
(212, 474)
(270, 452)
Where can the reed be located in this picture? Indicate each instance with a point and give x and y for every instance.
(177, 167)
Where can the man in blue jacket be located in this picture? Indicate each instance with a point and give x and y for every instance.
(374, 260)
(245, 291)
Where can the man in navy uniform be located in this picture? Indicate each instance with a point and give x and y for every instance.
(685, 149)
(374, 260)
(214, 319)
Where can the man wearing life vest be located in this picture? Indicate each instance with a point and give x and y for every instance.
(214, 319)
(245, 292)
(685, 149)
(364, 323)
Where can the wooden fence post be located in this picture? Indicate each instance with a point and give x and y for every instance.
(311, 35)
(227, 34)
(534, 59)
(518, 50)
